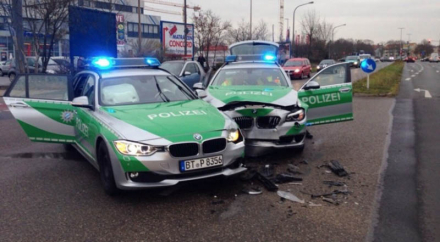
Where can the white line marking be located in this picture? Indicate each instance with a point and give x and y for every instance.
(408, 79)
(412, 70)
(427, 94)
(413, 75)
(438, 71)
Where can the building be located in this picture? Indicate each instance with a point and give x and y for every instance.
(127, 28)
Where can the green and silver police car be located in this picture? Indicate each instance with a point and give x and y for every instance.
(253, 89)
(140, 127)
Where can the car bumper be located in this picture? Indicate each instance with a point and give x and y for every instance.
(293, 74)
(166, 172)
(261, 147)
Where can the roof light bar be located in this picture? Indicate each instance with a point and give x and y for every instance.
(102, 62)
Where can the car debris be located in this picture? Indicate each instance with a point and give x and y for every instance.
(309, 135)
(330, 200)
(248, 175)
(252, 191)
(334, 183)
(311, 204)
(286, 177)
(304, 162)
(335, 192)
(295, 183)
(268, 184)
(337, 168)
(218, 202)
(293, 169)
(268, 170)
(289, 196)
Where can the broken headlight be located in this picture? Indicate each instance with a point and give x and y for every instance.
(132, 148)
(296, 116)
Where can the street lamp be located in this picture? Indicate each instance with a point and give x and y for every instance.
(250, 23)
(293, 26)
(333, 35)
(400, 52)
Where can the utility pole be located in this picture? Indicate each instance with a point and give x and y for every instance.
(139, 28)
(273, 33)
(17, 33)
(333, 35)
(250, 23)
(186, 29)
(293, 26)
(400, 52)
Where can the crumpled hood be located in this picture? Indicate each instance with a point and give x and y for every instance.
(174, 121)
(222, 95)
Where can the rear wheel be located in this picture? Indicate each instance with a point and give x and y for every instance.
(106, 171)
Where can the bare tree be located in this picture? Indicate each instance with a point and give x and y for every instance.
(13, 10)
(209, 31)
(310, 26)
(242, 32)
(424, 48)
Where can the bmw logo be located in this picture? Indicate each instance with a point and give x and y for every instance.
(197, 136)
(254, 111)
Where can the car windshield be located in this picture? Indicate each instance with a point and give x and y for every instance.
(253, 49)
(250, 77)
(326, 62)
(174, 67)
(293, 63)
(142, 89)
(352, 57)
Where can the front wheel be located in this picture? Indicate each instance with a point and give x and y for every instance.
(106, 171)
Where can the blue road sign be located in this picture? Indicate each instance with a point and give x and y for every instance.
(368, 65)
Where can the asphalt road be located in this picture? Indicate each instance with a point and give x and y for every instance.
(50, 195)
(410, 205)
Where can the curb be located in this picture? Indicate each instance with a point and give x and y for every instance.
(372, 95)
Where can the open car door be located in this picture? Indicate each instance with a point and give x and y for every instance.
(329, 95)
(40, 103)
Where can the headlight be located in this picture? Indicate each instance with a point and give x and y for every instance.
(131, 148)
(297, 70)
(50, 71)
(296, 116)
(355, 62)
(233, 135)
(318, 67)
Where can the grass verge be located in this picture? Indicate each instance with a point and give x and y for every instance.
(384, 82)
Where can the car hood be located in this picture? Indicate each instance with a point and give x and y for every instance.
(221, 96)
(174, 121)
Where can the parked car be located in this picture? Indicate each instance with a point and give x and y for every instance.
(5, 67)
(298, 68)
(354, 61)
(52, 67)
(434, 58)
(342, 60)
(190, 72)
(364, 57)
(324, 63)
(63, 62)
(424, 59)
(410, 59)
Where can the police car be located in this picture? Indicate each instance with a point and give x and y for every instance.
(253, 89)
(139, 127)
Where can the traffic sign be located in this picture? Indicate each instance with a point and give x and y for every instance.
(368, 65)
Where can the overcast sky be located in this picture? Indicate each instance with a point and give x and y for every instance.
(377, 20)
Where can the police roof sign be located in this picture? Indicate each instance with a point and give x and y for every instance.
(172, 38)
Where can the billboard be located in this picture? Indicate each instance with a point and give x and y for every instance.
(172, 39)
(120, 29)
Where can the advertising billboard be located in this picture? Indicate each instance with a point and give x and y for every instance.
(172, 39)
(120, 29)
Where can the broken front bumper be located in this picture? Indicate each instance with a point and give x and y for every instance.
(261, 147)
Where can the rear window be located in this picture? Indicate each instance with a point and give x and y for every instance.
(293, 63)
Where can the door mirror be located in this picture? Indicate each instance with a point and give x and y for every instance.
(312, 85)
(201, 93)
(198, 86)
(81, 102)
(186, 73)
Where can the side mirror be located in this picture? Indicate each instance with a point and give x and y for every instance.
(186, 73)
(81, 102)
(201, 93)
(312, 85)
(198, 85)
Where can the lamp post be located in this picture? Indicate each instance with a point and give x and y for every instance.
(250, 23)
(293, 26)
(333, 35)
(400, 51)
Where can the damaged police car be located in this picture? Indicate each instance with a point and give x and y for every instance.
(139, 127)
(253, 89)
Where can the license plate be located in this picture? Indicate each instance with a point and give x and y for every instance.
(189, 165)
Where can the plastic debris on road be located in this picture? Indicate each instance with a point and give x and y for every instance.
(337, 168)
(289, 196)
(286, 177)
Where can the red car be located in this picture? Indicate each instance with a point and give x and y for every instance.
(410, 59)
(298, 68)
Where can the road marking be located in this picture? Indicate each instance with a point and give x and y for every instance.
(427, 93)
(438, 71)
(412, 70)
(408, 79)
(413, 75)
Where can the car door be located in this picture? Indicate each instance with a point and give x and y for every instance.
(41, 105)
(192, 76)
(332, 101)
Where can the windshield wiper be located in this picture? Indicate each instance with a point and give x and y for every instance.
(164, 98)
(180, 88)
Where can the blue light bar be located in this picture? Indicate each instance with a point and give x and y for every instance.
(231, 58)
(152, 61)
(269, 57)
(102, 62)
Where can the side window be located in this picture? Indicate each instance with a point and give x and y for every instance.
(30, 61)
(78, 85)
(19, 89)
(196, 68)
(89, 90)
(190, 68)
(48, 87)
(331, 76)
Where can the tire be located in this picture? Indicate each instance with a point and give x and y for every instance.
(309, 75)
(302, 76)
(11, 77)
(68, 147)
(106, 171)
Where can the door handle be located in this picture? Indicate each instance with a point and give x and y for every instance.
(19, 105)
(344, 90)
